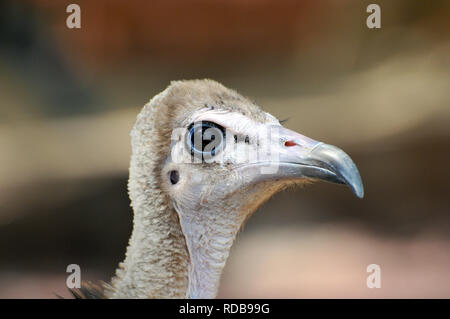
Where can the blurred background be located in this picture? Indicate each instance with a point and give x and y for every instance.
(69, 97)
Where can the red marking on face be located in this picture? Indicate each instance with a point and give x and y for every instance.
(289, 143)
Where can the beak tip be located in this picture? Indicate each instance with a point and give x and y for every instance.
(357, 188)
(340, 164)
(359, 193)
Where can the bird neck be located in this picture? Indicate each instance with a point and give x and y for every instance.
(210, 230)
(209, 236)
(156, 263)
(176, 251)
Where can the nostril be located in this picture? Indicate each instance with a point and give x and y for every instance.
(289, 143)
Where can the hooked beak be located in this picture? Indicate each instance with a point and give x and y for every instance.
(301, 157)
(330, 163)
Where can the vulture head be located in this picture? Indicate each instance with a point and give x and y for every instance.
(204, 158)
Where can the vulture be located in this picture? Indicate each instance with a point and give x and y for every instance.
(204, 158)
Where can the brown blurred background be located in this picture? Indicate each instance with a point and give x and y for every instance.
(68, 98)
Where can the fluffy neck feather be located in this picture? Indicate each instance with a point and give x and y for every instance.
(156, 263)
(177, 253)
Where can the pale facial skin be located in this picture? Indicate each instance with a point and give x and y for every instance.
(214, 196)
(204, 158)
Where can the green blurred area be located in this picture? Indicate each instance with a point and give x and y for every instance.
(68, 99)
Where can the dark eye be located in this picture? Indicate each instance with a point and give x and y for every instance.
(205, 138)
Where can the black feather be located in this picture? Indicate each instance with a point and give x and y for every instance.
(88, 290)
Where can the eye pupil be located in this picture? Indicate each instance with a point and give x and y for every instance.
(205, 138)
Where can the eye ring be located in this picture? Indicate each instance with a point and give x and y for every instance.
(205, 139)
